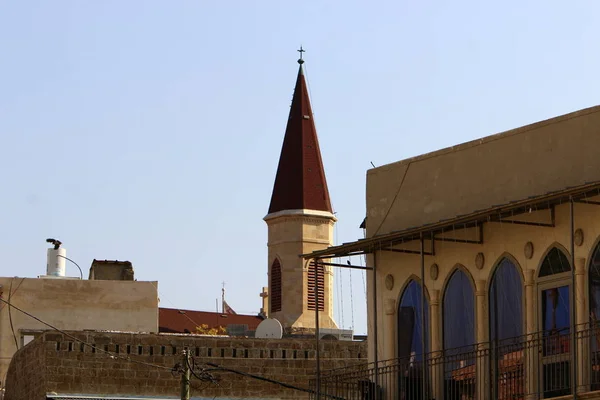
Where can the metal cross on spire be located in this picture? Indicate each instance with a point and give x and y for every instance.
(300, 60)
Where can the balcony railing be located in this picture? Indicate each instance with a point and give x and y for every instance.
(527, 367)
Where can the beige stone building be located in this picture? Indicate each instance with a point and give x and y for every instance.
(504, 233)
(300, 220)
(74, 304)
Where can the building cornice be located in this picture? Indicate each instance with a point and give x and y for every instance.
(300, 213)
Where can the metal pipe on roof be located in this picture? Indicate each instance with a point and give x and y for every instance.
(375, 347)
(344, 265)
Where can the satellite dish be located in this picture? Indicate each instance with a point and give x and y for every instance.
(269, 329)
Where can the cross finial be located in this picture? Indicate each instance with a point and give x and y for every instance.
(300, 60)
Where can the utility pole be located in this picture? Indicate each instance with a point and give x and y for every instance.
(185, 376)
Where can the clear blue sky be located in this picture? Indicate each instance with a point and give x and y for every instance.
(150, 130)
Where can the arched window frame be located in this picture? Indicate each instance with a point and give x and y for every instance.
(462, 268)
(275, 289)
(553, 342)
(492, 276)
(554, 277)
(316, 271)
(403, 289)
(588, 282)
(552, 281)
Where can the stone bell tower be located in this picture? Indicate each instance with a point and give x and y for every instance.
(300, 220)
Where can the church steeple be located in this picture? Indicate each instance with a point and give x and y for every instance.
(300, 221)
(300, 181)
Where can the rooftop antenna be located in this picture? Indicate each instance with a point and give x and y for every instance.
(223, 298)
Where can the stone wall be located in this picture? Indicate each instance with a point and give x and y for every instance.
(56, 363)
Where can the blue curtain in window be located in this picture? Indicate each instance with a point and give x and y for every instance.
(459, 312)
(410, 315)
(506, 302)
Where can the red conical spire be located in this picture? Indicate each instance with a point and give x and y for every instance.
(300, 182)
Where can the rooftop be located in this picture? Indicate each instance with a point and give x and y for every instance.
(171, 320)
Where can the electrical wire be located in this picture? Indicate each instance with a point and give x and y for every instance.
(217, 367)
(92, 346)
(180, 311)
(2, 305)
(12, 327)
(394, 199)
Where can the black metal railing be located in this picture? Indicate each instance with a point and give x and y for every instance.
(537, 365)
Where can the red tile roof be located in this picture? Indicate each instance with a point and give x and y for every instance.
(172, 320)
(300, 182)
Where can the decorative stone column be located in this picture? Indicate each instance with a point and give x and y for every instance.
(436, 360)
(389, 307)
(481, 361)
(581, 319)
(390, 386)
(531, 352)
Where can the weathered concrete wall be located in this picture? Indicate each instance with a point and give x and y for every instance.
(67, 369)
(532, 160)
(74, 305)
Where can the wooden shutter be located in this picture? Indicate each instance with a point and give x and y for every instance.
(275, 289)
(316, 273)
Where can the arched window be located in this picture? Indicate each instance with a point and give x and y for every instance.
(594, 314)
(506, 302)
(413, 313)
(316, 277)
(459, 336)
(459, 312)
(275, 287)
(506, 330)
(594, 280)
(555, 292)
(555, 262)
(554, 286)
(410, 320)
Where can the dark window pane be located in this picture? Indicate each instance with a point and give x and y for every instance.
(409, 322)
(555, 306)
(506, 302)
(594, 279)
(459, 312)
(556, 320)
(555, 262)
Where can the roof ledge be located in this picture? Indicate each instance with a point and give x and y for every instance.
(301, 213)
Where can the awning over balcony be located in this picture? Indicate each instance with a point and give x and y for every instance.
(509, 213)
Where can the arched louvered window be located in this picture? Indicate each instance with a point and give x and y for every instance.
(316, 274)
(275, 289)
